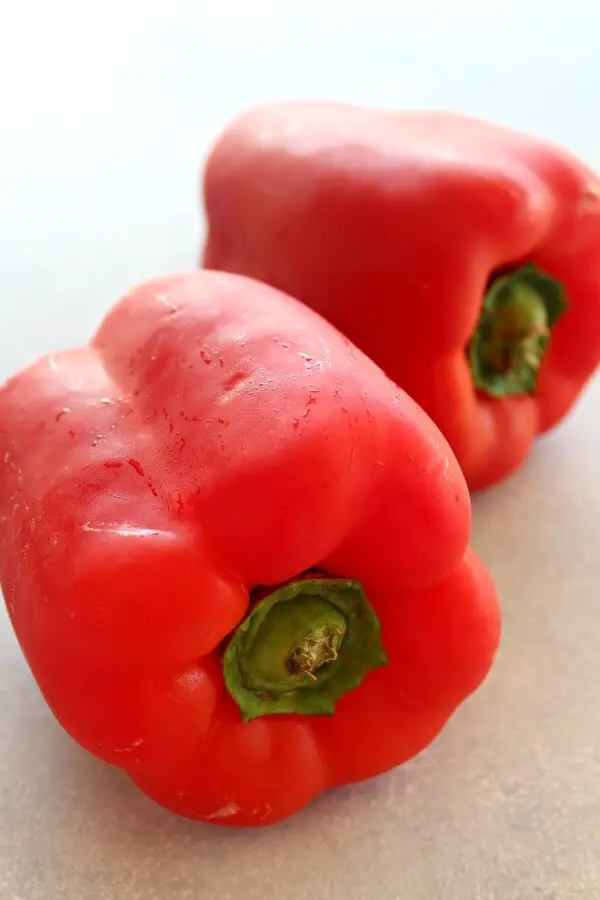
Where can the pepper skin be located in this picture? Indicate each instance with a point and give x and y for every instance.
(234, 553)
(463, 258)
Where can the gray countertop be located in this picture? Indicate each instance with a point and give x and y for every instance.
(104, 123)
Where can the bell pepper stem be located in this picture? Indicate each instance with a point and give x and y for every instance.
(514, 331)
(303, 647)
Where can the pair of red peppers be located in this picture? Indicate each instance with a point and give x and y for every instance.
(234, 551)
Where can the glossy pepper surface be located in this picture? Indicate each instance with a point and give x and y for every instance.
(462, 257)
(234, 553)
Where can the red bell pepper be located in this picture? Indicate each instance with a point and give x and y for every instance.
(462, 257)
(235, 554)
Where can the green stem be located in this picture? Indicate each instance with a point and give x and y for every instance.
(513, 331)
(302, 648)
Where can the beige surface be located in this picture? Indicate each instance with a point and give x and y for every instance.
(98, 183)
(504, 806)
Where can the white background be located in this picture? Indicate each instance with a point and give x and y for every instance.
(106, 111)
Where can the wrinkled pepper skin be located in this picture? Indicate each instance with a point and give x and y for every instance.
(214, 437)
(393, 226)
